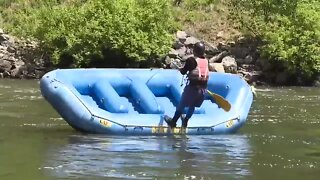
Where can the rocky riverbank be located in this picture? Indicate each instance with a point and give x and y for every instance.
(240, 57)
(22, 58)
(233, 57)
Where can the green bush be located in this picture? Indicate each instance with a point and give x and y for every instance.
(138, 29)
(289, 29)
(199, 4)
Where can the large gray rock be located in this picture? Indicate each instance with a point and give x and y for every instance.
(4, 37)
(3, 48)
(230, 65)
(5, 66)
(178, 44)
(167, 60)
(181, 36)
(182, 51)
(173, 53)
(11, 49)
(239, 52)
(176, 64)
(211, 50)
(15, 73)
(19, 58)
(253, 76)
(223, 46)
(219, 57)
(216, 67)
(191, 41)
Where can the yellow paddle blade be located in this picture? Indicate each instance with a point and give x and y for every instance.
(223, 103)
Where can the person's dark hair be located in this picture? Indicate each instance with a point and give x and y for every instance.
(199, 49)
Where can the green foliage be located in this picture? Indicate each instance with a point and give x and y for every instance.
(290, 30)
(143, 29)
(139, 29)
(199, 4)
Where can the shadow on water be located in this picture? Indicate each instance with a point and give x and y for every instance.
(150, 157)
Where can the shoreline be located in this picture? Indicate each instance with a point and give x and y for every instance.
(22, 59)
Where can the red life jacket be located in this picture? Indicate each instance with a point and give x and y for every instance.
(201, 72)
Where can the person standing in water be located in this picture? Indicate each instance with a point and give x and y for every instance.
(197, 70)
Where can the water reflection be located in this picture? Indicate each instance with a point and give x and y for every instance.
(193, 157)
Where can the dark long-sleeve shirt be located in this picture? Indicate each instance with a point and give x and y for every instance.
(190, 65)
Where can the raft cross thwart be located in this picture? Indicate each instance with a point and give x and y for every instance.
(134, 101)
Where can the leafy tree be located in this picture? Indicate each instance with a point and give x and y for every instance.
(290, 30)
(85, 30)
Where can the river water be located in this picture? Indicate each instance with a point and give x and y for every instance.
(281, 140)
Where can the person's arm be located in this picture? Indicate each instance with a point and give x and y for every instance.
(185, 68)
(188, 66)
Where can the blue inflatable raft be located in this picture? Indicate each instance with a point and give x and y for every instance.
(134, 101)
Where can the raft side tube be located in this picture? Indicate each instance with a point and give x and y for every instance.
(62, 98)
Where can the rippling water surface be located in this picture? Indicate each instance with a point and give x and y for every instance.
(281, 140)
